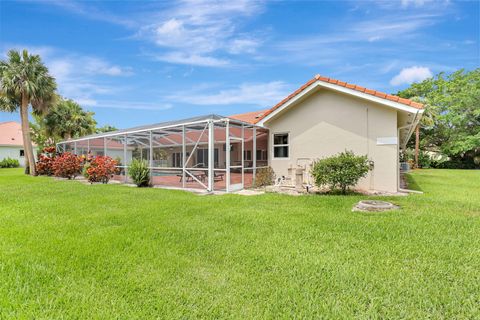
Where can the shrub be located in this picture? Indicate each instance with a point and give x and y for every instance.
(119, 164)
(264, 177)
(455, 164)
(50, 150)
(100, 169)
(86, 165)
(67, 165)
(45, 161)
(9, 163)
(139, 172)
(424, 159)
(45, 165)
(340, 171)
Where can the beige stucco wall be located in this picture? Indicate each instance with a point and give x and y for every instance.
(328, 122)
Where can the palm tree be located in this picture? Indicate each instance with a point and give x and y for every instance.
(25, 81)
(67, 119)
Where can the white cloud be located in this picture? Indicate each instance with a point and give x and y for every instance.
(79, 77)
(202, 32)
(408, 4)
(130, 105)
(86, 102)
(99, 66)
(371, 30)
(389, 66)
(192, 59)
(42, 51)
(382, 37)
(374, 38)
(391, 27)
(239, 46)
(410, 75)
(257, 94)
(93, 13)
(416, 3)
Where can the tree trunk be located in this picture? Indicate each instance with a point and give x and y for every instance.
(27, 141)
(27, 166)
(417, 144)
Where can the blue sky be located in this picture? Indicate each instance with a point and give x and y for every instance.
(137, 62)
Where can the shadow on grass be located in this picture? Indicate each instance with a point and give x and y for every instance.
(412, 183)
(337, 192)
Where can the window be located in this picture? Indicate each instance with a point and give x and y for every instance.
(22, 153)
(247, 155)
(262, 155)
(202, 157)
(177, 159)
(280, 145)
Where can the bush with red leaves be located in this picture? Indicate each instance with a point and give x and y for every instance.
(45, 165)
(50, 150)
(100, 169)
(67, 165)
(45, 161)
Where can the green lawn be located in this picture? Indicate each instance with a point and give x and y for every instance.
(69, 250)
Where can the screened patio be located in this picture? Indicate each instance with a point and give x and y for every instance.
(212, 152)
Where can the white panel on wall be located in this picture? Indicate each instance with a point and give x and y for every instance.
(386, 140)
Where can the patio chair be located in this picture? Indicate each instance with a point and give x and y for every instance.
(200, 175)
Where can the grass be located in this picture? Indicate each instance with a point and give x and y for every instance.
(69, 250)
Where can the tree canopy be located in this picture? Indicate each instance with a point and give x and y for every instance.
(68, 120)
(105, 128)
(451, 122)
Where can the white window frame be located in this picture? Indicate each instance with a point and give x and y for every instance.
(280, 145)
(245, 155)
(263, 155)
(177, 159)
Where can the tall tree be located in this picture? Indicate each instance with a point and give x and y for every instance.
(25, 81)
(67, 120)
(451, 123)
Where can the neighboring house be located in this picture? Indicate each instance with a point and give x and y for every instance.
(323, 117)
(11, 142)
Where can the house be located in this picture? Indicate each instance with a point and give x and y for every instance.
(321, 118)
(326, 116)
(11, 142)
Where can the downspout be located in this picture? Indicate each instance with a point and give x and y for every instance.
(414, 123)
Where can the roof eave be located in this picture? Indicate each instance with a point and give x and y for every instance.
(318, 83)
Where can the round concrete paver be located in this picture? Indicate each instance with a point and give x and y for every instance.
(374, 206)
